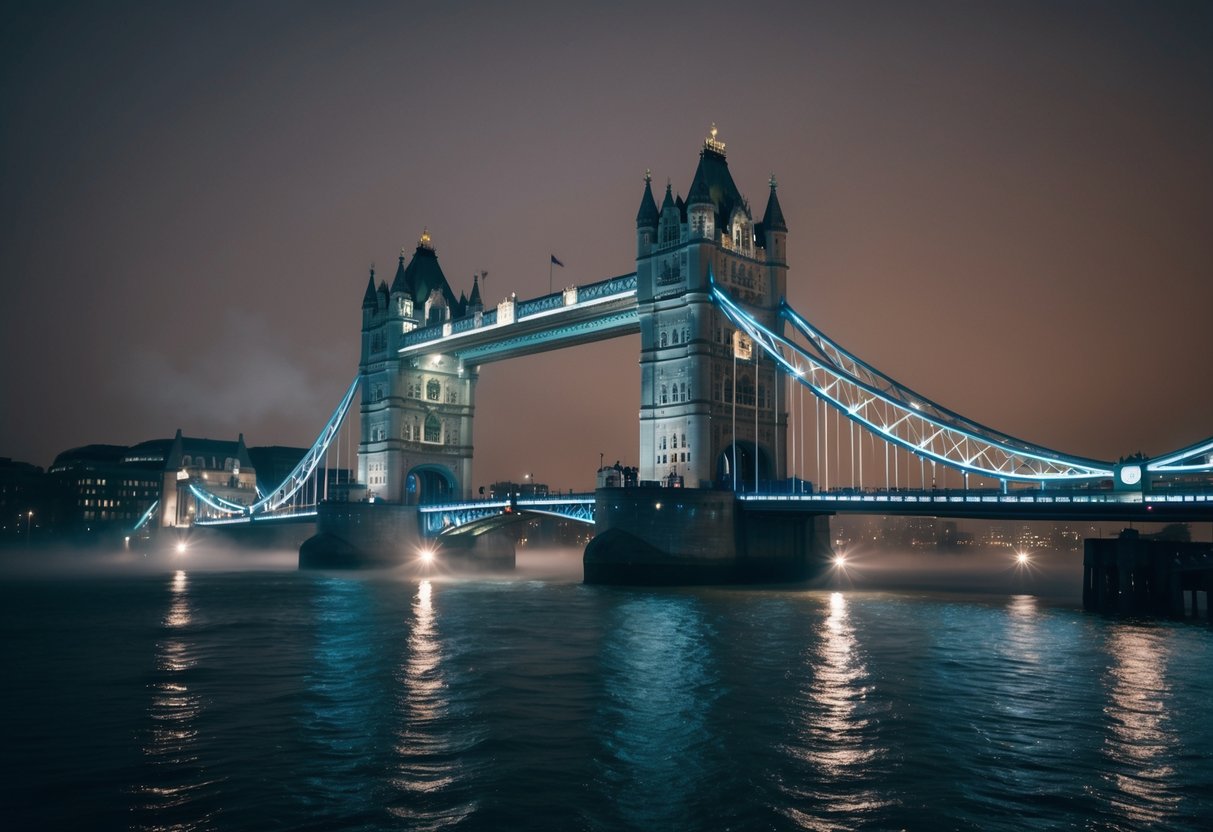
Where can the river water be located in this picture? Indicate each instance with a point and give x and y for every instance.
(182, 698)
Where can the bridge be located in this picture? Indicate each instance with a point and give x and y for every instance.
(741, 394)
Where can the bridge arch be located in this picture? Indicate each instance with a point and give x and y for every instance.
(745, 453)
(429, 484)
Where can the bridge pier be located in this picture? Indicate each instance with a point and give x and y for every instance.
(387, 535)
(650, 535)
(1129, 575)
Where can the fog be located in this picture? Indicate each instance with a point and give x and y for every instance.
(1047, 574)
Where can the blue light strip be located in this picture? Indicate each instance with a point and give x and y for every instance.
(1011, 459)
(297, 478)
(1173, 462)
(147, 515)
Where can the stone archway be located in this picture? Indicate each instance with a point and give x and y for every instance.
(746, 452)
(429, 484)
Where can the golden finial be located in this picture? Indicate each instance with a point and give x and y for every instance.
(424, 242)
(712, 143)
(772, 181)
(648, 175)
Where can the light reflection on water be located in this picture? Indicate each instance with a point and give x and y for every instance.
(428, 761)
(176, 776)
(1140, 738)
(833, 738)
(305, 701)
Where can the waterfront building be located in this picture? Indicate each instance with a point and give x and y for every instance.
(99, 488)
(22, 498)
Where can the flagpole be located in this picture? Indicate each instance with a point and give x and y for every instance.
(550, 256)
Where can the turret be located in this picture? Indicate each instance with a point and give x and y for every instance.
(368, 301)
(670, 218)
(774, 228)
(647, 218)
(475, 304)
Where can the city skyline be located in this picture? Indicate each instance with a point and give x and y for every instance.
(1008, 210)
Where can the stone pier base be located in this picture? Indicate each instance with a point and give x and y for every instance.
(649, 535)
(384, 535)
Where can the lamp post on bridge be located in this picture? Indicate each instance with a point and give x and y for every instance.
(29, 519)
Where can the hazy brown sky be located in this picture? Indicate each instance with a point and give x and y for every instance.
(1007, 206)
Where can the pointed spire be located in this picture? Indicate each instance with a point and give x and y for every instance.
(399, 283)
(646, 217)
(368, 299)
(668, 202)
(773, 220)
(474, 300)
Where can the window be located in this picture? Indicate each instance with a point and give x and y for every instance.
(675, 337)
(452, 395)
(433, 390)
(745, 391)
(414, 390)
(663, 338)
(665, 395)
(433, 427)
(378, 392)
(684, 440)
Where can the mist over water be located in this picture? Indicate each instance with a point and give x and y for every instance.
(228, 690)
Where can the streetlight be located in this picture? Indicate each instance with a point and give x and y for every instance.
(29, 518)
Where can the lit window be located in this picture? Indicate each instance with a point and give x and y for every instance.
(433, 428)
(433, 390)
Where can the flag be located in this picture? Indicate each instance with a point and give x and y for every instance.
(557, 262)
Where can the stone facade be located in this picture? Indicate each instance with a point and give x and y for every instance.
(697, 402)
(416, 413)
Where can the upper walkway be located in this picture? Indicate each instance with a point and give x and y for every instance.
(576, 315)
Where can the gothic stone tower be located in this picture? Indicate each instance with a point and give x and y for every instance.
(416, 413)
(699, 425)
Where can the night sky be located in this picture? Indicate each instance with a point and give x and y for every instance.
(1006, 206)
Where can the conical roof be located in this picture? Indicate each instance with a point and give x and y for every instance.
(368, 299)
(474, 300)
(773, 220)
(646, 217)
(713, 185)
(400, 283)
(423, 275)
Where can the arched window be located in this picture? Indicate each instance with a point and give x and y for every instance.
(378, 393)
(663, 338)
(665, 396)
(745, 390)
(675, 336)
(433, 427)
(684, 440)
(433, 390)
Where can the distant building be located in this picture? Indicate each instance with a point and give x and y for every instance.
(221, 468)
(505, 490)
(100, 488)
(22, 497)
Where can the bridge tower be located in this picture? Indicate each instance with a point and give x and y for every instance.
(699, 423)
(417, 412)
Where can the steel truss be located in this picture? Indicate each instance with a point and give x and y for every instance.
(900, 416)
(296, 479)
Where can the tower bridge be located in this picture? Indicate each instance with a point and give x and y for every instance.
(726, 368)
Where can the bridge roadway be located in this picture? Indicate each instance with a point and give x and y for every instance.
(478, 516)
